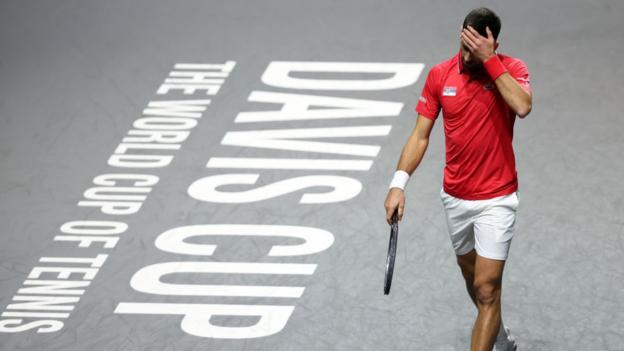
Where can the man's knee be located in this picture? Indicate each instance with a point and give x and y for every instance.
(487, 291)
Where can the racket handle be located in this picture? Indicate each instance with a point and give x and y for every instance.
(395, 215)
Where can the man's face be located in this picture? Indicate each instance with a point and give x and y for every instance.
(468, 59)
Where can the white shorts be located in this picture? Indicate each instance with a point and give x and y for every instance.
(485, 225)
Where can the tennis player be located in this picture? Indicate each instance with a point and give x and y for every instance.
(480, 93)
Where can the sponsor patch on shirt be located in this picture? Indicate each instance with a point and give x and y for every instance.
(423, 99)
(449, 91)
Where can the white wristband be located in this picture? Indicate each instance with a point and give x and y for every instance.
(399, 180)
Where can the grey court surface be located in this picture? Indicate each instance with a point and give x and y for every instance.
(219, 248)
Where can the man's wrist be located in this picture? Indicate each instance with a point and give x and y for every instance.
(494, 67)
(399, 180)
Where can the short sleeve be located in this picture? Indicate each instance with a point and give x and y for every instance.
(520, 72)
(429, 101)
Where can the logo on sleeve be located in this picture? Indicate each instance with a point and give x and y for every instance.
(449, 91)
(422, 99)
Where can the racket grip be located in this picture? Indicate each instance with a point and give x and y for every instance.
(395, 215)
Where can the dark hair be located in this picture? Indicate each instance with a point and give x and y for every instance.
(481, 17)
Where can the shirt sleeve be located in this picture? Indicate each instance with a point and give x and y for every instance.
(520, 73)
(429, 101)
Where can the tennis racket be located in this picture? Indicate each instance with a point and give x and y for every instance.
(394, 236)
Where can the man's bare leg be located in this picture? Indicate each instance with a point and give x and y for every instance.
(467, 264)
(488, 274)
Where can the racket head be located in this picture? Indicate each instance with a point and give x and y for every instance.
(392, 245)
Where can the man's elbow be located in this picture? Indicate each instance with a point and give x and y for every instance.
(524, 110)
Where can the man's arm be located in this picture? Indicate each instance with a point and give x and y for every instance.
(428, 108)
(515, 95)
(416, 145)
(518, 99)
(411, 155)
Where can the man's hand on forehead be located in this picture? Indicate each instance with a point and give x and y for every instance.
(481, 47)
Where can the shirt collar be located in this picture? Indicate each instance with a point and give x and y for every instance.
(460, 62)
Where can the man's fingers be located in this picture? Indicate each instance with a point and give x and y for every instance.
(475, 39)
(489, 32)
(468, 42)
(474, 32)
(469, 33)
(466, 33)
(389, 213)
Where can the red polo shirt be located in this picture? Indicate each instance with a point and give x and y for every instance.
(478, 127)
